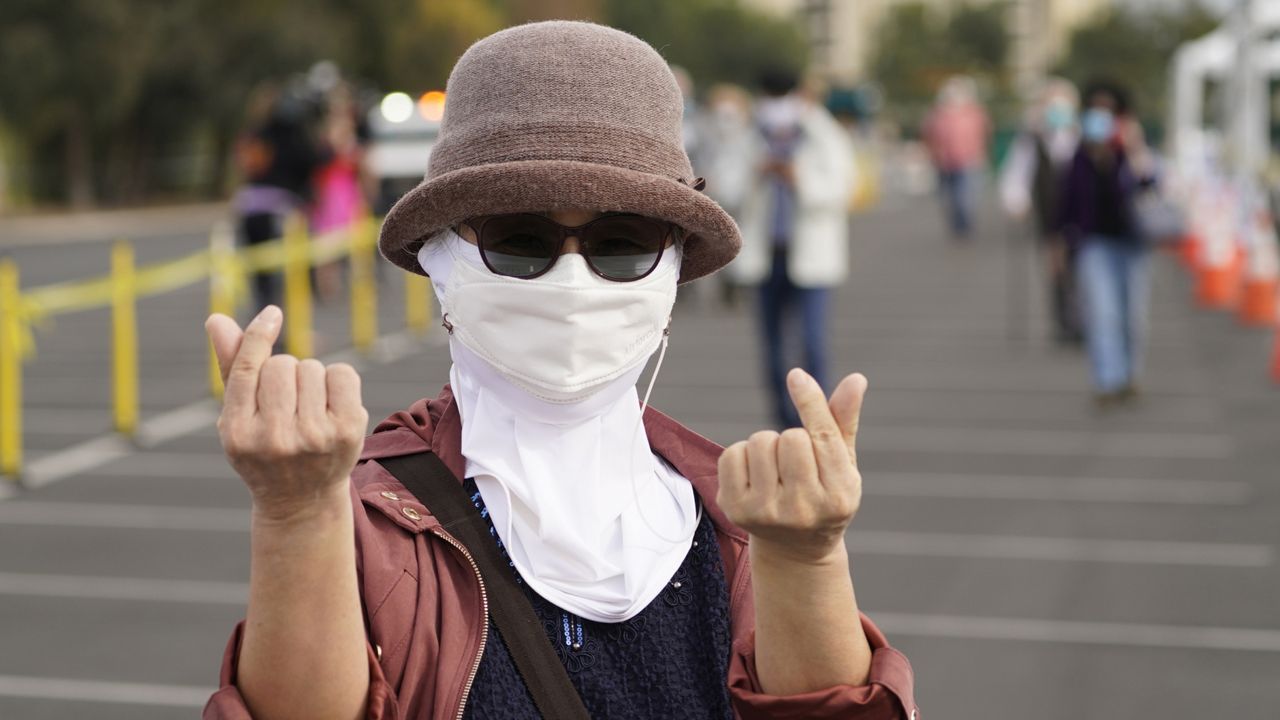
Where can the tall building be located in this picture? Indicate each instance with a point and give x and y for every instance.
(843, 32)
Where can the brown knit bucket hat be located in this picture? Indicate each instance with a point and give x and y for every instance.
(561, 115)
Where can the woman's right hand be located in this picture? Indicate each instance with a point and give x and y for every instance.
(292, 429)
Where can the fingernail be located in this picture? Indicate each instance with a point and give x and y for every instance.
(798, 377)
(270, 315)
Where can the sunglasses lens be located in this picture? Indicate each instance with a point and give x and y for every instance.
(625, 247)
(518, 245)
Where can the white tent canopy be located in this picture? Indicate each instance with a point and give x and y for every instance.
(1241, 53)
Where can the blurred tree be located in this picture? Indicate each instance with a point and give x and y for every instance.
(918, 48)
(715, 40)
(117, 100)
(519, 11)
(98, 90)
(905, 61)
(420, 46)
(53, 92)
(1133, 47)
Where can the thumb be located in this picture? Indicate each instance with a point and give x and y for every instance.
(846, 408)
(225, 336)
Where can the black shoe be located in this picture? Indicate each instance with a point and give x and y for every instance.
(1129, 393)
(1105, 401)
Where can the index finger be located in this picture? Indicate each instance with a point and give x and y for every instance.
(828, 440)
(255, 348)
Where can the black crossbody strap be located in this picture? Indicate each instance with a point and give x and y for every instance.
(436, 487)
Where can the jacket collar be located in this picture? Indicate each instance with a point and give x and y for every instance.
(435, 425)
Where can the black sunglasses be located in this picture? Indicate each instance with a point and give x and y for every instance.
(618, 247)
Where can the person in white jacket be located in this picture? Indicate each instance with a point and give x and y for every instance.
(1031, 181)
(795, 228)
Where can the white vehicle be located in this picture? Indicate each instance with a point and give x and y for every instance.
(402, 132)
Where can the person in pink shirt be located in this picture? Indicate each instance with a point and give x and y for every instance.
(956, 132)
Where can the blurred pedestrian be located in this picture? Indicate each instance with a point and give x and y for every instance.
(1112, 260)
(1031, 182)
(795, 229)
(338, 186)
(956, 133)
(691, 134)
(276, 156)
(728, 159)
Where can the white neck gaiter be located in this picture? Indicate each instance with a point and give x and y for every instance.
(592, 519)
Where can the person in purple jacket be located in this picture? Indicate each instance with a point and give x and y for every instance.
(1112, 260)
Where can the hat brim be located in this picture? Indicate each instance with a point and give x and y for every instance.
(711, 236)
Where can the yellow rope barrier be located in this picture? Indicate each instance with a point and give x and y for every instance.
(11, 312)
(225, 278)
(417, 303)
(297, 290)
(225, 267)
(364, 284)
(124, 339)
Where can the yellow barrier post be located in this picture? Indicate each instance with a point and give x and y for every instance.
(364, 288)
(297, 289)
(417, 303)
(124, 338)
(10, 370)
(222, 285)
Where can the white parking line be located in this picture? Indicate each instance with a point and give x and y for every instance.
(1048, 443)
(132, 517)
(1021, 547)
(1181, 637)
(134, 589)
(1072, 489)
(43, 688)
(861, 542)
(159, 463)
(176, 423)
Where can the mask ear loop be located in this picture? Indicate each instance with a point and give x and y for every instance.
(635, 491)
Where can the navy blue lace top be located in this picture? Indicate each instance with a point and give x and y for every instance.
(670, 661)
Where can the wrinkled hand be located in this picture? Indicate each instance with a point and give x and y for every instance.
(796, 492)
(291, 429)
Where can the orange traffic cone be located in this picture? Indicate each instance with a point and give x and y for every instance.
(1189, 251)
(1258, 301)
(1218, 286)
(1275, 358)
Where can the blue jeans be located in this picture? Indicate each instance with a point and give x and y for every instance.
(779, 298)
(957, 198)
(1115, 287)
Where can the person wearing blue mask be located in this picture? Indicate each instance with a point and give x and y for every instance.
(1112, 261)
(1031, 182)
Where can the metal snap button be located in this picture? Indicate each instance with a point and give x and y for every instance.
(411, 513)
(390, 495)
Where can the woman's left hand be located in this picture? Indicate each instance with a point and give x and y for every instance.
(796, 492)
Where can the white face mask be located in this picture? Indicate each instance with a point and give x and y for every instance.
(592, 519)
(564, 335)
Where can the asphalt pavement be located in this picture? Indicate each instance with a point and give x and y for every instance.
(1034, 558)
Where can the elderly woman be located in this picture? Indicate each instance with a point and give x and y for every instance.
(662, 575)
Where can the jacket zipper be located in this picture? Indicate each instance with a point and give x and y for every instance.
(484, 626)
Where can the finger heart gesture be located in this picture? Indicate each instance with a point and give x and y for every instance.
(798, 490)
(291, 428)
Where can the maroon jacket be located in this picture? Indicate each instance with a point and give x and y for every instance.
(425, 606)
